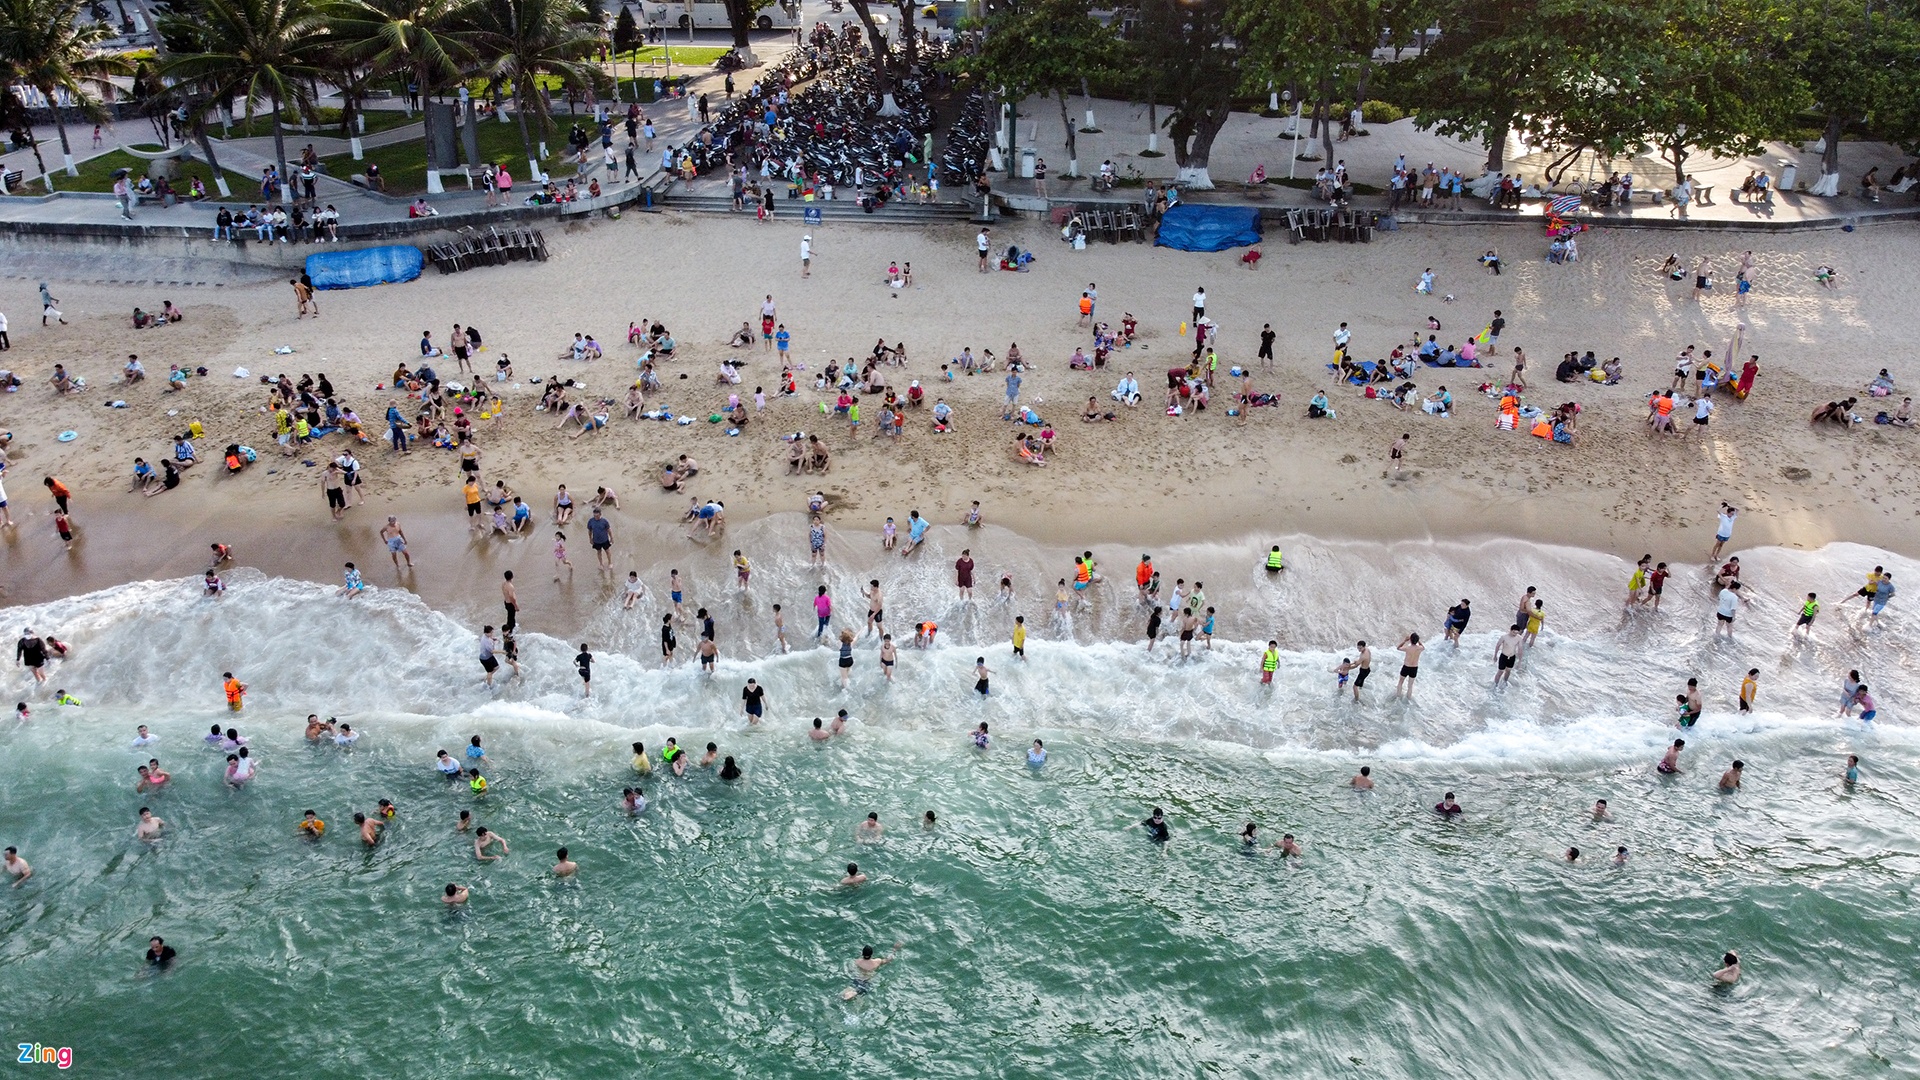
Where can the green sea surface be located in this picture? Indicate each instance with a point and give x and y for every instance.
(1038, 934)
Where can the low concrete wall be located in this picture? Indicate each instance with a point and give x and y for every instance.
(193, 241)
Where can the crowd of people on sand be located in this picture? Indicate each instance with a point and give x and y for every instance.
(1187, 610)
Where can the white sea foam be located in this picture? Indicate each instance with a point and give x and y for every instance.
(1598, 688)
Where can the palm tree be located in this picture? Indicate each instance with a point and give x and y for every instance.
(531, 38)
(44, 45)
(428, 41)
(252, 50)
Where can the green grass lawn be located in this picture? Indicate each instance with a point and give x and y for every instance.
(404, 165)
(96, 174)
(696, 55)
(261, 126)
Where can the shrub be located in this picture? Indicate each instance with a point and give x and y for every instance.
(1381, 112)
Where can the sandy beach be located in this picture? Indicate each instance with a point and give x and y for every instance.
(1145, 479)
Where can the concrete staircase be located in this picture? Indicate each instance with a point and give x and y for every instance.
(793, 210)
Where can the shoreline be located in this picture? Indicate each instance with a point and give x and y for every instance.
(458, 575)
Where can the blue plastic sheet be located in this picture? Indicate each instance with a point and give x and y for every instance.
(1208, 228)
(365, 266)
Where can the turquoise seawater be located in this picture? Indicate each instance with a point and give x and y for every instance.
(1037, 934)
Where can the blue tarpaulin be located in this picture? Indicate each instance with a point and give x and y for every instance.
(1208, 228)
(365, 266)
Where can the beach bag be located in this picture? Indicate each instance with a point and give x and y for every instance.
(1543, 430)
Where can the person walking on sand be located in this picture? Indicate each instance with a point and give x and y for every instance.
(1397, 455)
(396, 540)
(806, 256)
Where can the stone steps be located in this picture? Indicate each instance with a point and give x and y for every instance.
(943, 213)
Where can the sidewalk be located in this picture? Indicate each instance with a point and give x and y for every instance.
(1249, 139)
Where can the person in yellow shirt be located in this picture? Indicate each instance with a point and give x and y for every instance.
(471, 489)
(311, 826)
(1020, 636)
(641, 763)
(1749, 689)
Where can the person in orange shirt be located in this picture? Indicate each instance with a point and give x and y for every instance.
(1086, 309)
(1143, 574)
(236, 690)
(60, 493)
(1660, 414)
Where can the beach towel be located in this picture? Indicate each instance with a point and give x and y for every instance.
(1366, 366)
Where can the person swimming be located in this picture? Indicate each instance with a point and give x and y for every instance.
(1670, 764)
(1037, 755)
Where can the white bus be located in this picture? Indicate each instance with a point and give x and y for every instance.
(774, 15)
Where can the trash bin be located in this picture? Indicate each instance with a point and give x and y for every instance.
(1789, 175)
(1027, 156)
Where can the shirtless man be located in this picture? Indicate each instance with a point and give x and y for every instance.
(870, 829)
(455, 895)
(149, 826)
(511, 600)
(1506, 653)
(854, 878)
(1670, 763)
(819, 732)
(1729, 972)
(868, 965)
(1730, 780)
(1362, 780)
(876, 605)
(18, 867)
(482, 840)
(565, 867)
(396, 541)
(369, 829)
(1409, 664)
(1363, 667)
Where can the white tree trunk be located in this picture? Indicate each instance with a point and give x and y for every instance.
(889, 107)
(1828, 185)
(1195, 177)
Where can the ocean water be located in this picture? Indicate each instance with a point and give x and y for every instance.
(1037, 934)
